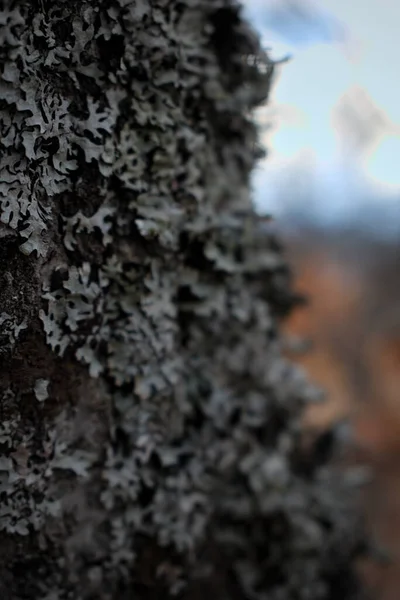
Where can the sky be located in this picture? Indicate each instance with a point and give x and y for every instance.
(339, 45)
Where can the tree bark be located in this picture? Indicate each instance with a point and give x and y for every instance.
(150, 427)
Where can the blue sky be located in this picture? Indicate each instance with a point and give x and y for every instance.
(343, 43)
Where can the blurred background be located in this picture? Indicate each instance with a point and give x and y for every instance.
(331, 180)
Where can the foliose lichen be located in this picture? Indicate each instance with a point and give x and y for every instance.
(154, 424)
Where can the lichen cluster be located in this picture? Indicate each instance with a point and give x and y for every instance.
(150, 427)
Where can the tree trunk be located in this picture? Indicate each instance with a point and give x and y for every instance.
(150, 440)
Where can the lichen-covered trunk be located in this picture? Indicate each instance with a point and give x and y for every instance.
(149, 426)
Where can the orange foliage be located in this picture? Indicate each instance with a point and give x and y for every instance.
(353, 320)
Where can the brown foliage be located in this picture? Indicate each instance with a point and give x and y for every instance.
(353, 320)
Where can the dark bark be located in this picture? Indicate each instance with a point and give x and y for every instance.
(149, 424)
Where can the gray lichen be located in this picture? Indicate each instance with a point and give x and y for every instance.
(150, 423)
(40, 389)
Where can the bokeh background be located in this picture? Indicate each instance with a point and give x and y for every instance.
(332, 182)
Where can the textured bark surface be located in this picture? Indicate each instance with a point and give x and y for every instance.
(149, 425)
